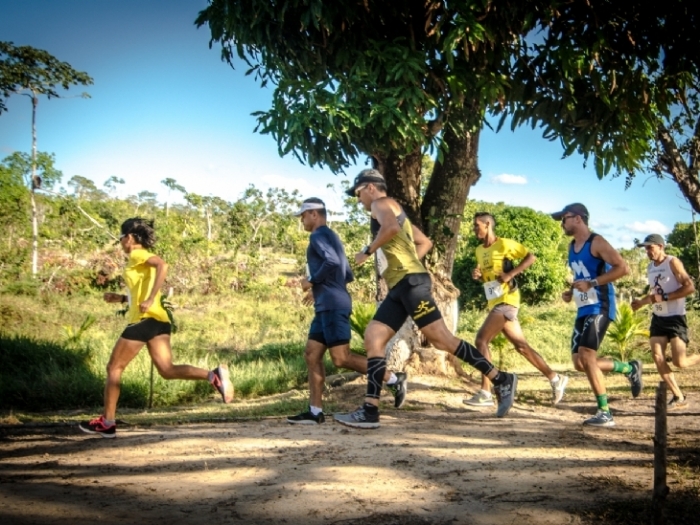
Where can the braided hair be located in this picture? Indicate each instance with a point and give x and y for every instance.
(142, 231)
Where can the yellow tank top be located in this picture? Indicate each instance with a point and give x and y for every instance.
(497, 259)
(139, 278)
(400, 257)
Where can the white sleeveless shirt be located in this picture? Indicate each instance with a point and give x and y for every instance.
(662, 280)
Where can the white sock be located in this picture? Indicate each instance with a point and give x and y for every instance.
(392, 379)
(486, 393)
(315, 410)
(555, 380)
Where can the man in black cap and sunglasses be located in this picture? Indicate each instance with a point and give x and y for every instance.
(595, 265)
(399, 247)
(669, 285)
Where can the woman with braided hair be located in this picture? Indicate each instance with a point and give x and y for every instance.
(148, 323)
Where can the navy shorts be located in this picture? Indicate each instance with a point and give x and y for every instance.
(589, 331)
(146, 329)
(331, 328)
(669, 327)
(411, 296)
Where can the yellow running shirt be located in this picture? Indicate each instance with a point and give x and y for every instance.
(139, 278)
(495, 260)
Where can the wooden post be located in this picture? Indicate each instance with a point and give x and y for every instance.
(660, 442)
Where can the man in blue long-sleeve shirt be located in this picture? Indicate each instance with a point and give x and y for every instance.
(326, 284)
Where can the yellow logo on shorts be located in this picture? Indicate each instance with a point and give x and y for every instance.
(423, 309)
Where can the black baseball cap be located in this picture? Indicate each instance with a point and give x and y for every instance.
(365, 177)
(575, 209)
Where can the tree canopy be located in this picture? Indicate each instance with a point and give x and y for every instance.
(618, 83)
(24, 68)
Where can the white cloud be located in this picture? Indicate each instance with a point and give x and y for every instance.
(647, 227)
(506, 178)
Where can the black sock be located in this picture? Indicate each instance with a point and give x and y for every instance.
(370, 408)
(376, 367)
(469, 354)
(499, 378)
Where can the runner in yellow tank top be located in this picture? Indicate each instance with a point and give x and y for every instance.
(400, 246)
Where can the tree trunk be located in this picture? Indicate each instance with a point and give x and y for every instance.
(439, 217)
(673, 163)
(34, 185)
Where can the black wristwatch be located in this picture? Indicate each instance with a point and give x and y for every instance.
(664, 296)
(366, 250)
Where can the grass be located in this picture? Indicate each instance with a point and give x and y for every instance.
(261, 338)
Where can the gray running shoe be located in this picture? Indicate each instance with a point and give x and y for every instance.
(601, 419)
(505, 393)
(306, 418)
(559, 388)
(480, 399)
(677, 403)
(635, 377)
(221, 382)
(399, 389)
(358, 419)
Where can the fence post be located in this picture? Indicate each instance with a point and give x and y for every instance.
(660, 432)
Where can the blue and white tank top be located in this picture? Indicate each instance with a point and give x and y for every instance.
(585, 266)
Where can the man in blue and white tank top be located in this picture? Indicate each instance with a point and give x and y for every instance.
(669, 285)
(595, 264)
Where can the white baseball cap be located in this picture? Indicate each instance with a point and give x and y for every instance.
(307, 206)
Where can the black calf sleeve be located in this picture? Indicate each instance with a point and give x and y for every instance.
(469, 354)
(376, 366)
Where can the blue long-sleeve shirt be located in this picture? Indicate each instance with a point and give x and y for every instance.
(329, 270)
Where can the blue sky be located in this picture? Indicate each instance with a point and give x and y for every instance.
(165, 105)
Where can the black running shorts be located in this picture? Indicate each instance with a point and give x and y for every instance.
(589, 331)
(669, 327)
(410, 297)
(146, 329)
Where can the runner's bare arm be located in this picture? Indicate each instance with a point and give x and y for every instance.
(527, 261)
(602, 249)
(161, 272)
(687, 287)
(383, 211)
(423, 243)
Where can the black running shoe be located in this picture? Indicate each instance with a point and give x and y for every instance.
(97, 426)
(635, 378)
(399, 389)
(306, 418)
(505, 393)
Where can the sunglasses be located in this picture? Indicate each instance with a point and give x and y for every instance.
(358, 190)
(565, 217)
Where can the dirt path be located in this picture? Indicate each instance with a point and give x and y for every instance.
(436, 463)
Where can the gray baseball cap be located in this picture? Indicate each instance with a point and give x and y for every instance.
(365, 177)
(654, 238)
(575, 209)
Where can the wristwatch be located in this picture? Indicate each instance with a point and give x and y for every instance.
(366, 250)
(594, 283)
(664, 296)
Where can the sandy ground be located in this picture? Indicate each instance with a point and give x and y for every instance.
(436, 462)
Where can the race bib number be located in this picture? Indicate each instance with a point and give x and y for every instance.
(382, 263)
(660, 308)
(493, 290)
(585, 298)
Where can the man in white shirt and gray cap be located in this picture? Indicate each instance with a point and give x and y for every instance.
(669, 285)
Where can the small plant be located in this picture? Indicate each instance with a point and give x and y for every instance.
(626, 328)
(362, 314)
(72, 335)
